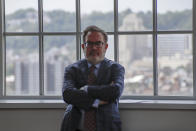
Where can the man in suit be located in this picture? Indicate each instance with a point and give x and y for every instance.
(92, 87)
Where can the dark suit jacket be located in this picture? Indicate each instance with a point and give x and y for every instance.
(107, 116)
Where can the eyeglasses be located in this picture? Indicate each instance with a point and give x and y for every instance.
(97, 44)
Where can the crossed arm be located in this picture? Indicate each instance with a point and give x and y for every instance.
(105, 93)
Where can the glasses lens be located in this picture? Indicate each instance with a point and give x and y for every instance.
(91, 44)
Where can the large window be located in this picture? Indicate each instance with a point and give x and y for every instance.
(153, 39)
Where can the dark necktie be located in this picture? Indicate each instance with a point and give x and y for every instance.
(89, 116)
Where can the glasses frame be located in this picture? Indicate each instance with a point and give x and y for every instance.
(97, 44)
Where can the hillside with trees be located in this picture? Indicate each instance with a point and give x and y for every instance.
(26, 20)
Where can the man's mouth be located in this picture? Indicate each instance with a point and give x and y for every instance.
(94, 54)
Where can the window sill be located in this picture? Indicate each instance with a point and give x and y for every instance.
(158, 104)
(32, 104)
(124, 104)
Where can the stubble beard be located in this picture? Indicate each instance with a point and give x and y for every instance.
(96, 60)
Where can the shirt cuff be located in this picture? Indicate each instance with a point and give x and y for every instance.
(96, 103)
(85, 88)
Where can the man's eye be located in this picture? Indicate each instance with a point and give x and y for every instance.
(98, 43)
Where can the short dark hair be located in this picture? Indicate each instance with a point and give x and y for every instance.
(96, 29)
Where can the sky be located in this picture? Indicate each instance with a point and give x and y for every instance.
(88, 6)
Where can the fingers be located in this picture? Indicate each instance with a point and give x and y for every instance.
(112, 83)
(103, 102)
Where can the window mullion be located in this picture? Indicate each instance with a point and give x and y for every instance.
(41, 53)
(116, 45)
(155, 60)
(78, 30)
(2, 49)
(194, 49)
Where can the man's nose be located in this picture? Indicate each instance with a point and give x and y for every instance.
(94, 46)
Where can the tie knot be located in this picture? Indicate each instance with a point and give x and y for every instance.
(92, 68)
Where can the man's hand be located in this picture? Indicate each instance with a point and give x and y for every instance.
(112, 83)
(103, 102)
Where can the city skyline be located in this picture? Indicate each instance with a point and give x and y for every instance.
(137, 62)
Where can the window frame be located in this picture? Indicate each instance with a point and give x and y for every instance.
(154, 32)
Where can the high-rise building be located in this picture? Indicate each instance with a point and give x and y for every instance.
(26, 78)
(54, 71)
(171, 45)
(133, 47)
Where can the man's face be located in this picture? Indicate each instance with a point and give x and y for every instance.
(94, 47)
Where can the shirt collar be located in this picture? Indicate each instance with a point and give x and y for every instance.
(97, 65)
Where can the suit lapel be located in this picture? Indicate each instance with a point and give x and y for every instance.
(84, 70)
(101, 71)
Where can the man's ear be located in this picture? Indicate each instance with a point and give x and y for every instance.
(83, 46)
(106, 46)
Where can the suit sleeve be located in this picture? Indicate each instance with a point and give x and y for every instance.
(72, 95)
(110, 92)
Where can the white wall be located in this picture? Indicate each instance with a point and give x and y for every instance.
(158, 120)
(46, 119)
(30, 119)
